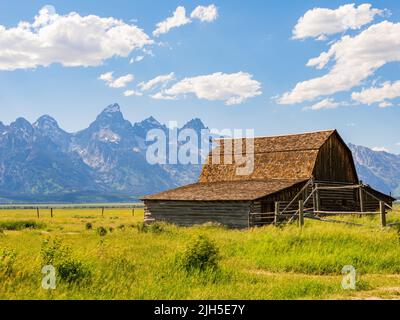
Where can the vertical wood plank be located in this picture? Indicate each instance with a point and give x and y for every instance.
(361, 195)
(383, 213)
(276, 216)
(317, 198)
(301, 213)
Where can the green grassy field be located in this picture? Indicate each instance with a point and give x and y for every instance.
(123, 260)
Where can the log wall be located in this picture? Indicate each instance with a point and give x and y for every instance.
(233, 214)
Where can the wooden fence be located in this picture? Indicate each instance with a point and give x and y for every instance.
(318, 201)
(38, 209)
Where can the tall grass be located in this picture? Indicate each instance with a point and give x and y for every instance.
(138, 262)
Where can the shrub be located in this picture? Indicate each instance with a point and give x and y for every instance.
(68, 268)
(89, 226)
(152, 228)
(20, 225)
(72, 271)
(101, 231)
(200, 255)
(54, 251)
(121, 227)
(7, 261)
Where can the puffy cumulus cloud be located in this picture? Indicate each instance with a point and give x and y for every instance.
(159, 80)
(71, 40)
(321, 22)
(130, 93)
(232, 88)
(205, 14)
(355, 59)
(328, 103)
(387, 91)
(177, 19)
(120, 82)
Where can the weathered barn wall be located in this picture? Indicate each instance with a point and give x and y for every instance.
(338, 199)
(234, 214)
(335, 162)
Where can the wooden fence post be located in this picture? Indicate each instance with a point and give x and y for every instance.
(383, 213)
(317, 198)
(301, 213)
(360, 190)
(51, 212)
(37, 212)
(102, 212)
(276, 216)
(133, 212)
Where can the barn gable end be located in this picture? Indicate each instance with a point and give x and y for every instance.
(335, 162)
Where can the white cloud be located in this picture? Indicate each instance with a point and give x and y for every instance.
(71, 40)
(129, 93)
(205, 14)
(355, 59)
(161, 96)
(178, 19)
(387, 91)
(385, 104)
(120, 82)
(232, 88)
(139, 58)
(149, 52)
(136, 59)
(151, 84)
(380, 149)
(107, 77)
(328, 103)
(321, 22)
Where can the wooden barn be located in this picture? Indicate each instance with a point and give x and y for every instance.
(316, 169)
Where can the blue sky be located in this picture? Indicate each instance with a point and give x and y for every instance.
(239, 60)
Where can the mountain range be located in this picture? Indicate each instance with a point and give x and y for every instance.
(379, 169)
(106, 162)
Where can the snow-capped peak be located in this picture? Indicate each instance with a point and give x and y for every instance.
(112, 108)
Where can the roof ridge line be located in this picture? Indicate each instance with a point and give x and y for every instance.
(278, 135)
(274, 151)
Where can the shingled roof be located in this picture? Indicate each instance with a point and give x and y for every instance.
(225, 190)
(278, 157)
(280, 162)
